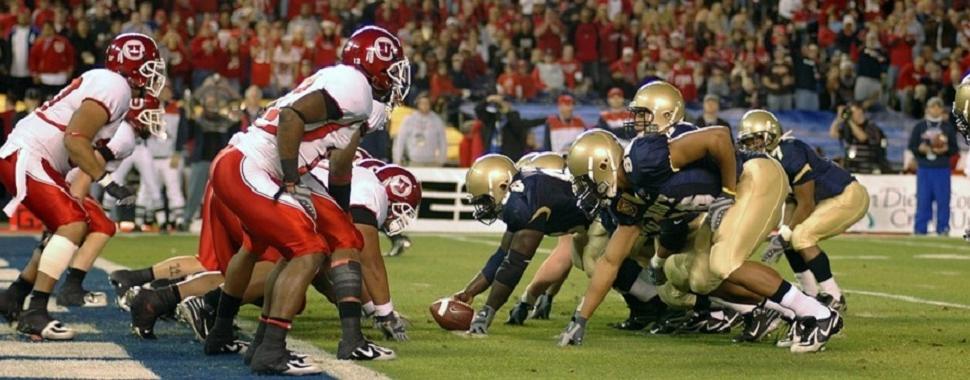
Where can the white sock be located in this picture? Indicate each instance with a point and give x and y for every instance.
(529, 298)
(786, 312)
(384, 310)
(829, 286)
(807, 281)
(740, 308)
(368, 308)
(642, 288)
(803, 305)
(717, 314)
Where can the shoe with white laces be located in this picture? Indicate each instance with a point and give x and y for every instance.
(368, 351)
(813, 333)
(38, 325)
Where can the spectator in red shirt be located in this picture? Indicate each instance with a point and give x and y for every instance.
(207, 58)
(549, 32)
(624, 71)
(51, 60)
(441, 84)
(586, 38)
(233, 69)
(261, 64)
(176, 58)
(571, 67)
(909, 76)
(562, 129)
(326, 45)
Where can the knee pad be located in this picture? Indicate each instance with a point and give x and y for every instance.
(56, 256)
(512, 269)
(347, 281)
(492, 265)
(626, 276)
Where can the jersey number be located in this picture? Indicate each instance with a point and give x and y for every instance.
(63, 93)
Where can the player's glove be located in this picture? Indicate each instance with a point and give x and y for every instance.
(777, 246)
(717, 209)
(123, 194)
(482, 320)
(393, 326)
(302, 195)
(655, 271)
(574, 332)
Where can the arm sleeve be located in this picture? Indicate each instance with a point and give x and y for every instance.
(914, 140)
(121, 144)
(363, 215)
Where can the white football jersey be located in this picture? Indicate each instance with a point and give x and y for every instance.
(352, 93)
(366, 190)
(121, 144)
(42, 132)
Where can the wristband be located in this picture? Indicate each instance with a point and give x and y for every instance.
(291, 172)
(341, 194)
(105, 179)
(728, 192)
(785, 232)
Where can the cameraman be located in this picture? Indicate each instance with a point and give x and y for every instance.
(864, 142)
(504, 131)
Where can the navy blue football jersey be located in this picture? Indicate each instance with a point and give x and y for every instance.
(543, 202)
(802, 164)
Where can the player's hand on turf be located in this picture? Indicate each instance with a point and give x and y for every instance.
(574, 332)
(776, 247)
(717, 209)
(123, 194)
(394, 327)
(302, 195)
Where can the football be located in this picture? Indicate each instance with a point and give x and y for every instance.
(452, 315)
(939, 141)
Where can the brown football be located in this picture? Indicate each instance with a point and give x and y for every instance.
(939, 141)
(452, 315)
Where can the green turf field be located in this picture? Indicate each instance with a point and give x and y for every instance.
(896, 326)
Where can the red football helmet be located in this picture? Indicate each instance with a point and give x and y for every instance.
(379, 55)
(371, 164)
(135, 56)
(403, 195)
(145, 116)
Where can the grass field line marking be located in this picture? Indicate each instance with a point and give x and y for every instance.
(955, 247)
(911, 299)
(65, 350)
(4, 263)
(488, 242)
(75, 369)
(340, 369)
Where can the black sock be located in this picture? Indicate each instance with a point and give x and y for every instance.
(170, 295)
(212, 297)
(350, 313)
(820, 267)
(703, 304)
(38, 300)
(795, 261)
(274, 337)
(74, 278)
(228, 306)
(780, 293)
(626, 275)
(20, 289)
(142, 276)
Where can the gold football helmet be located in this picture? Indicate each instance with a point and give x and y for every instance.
(656, 106)
(545, 160)
(760, 131)
(594, 160)
(488, 181)
(961, 108)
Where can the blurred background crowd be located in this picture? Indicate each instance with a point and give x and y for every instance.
(517, 76)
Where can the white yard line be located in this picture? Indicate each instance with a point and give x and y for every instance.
(910, 299)
(64, 350)
(74, 369)
(910, 243)
(340, 369)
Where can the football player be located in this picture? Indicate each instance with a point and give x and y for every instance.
(168, 166)
(258, 178)
(666, 172)
(828, 201)
(41, 149)
(961, 114)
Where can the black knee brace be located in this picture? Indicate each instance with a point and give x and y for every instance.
(512, 268)
(492, 265)
(347, 281)
(673, 236)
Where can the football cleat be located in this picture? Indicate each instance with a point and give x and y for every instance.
(633, 323)
(9, 307)
(758, 323)
(399, 244)
(236, 346)
(519, 314)
(483, 319)
(832, 303)
(121, 281)
(814, 334)
(81, 297)
(543, 307)
(38, 325)
(573, 334)
(194, 312)
(282, 363)
(718, 323)
(393, 326)
(671, 323)
(790, 337)
(146, 308)
(368, 351)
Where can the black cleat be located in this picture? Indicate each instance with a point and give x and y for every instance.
(38, 325)
(832, 303)
(10, 308)
(519, 313)
(721, 325)
(146, 308)
(633, 323)
(790, 338)
(217, 343)
(77, 296)
(758, 323)
(814, 334)
(367, 351)
(198, 315)
(266, 361)
(121, 281)
(543, 307)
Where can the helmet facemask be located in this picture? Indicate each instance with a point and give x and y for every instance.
(400, 75)
(154, 73)
(757, 142)
(401, 216)
(151, 121)
(487, 210)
